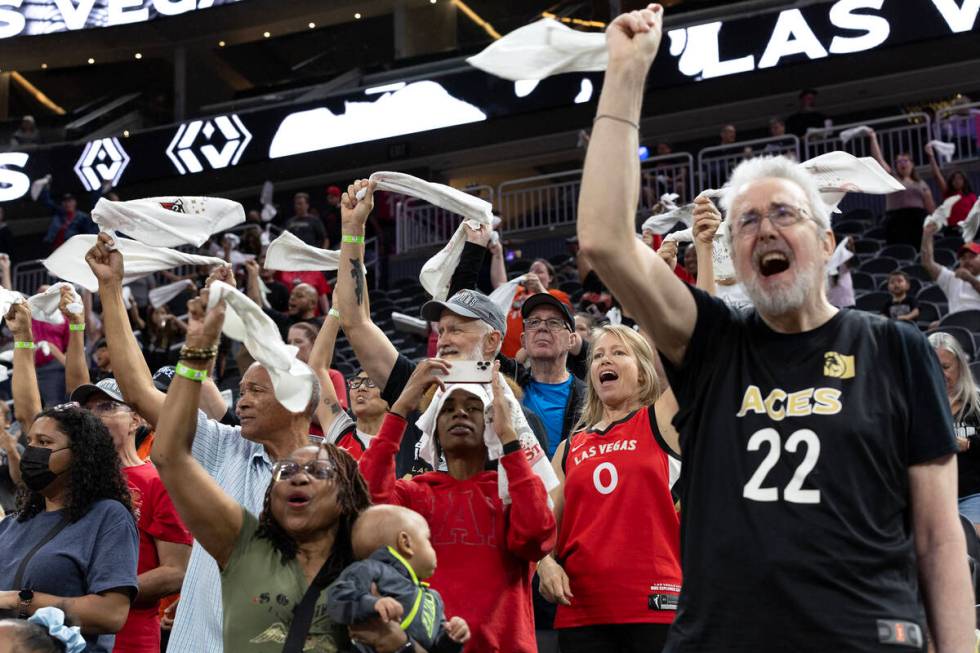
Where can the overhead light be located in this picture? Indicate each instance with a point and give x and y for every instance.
(357, 16)
(44, 66)
(221, 44)
(91, 60)
(432, 2)
(312, 26)
(138, 55)
(125, 133)
(266, 34)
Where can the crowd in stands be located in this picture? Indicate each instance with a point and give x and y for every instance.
(518, 485)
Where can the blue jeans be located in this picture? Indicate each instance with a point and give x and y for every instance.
(969, 507)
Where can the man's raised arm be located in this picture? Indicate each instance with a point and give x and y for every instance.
(128, 365)
(639, 279)
(373, 349)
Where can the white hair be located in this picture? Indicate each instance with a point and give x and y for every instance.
(777, 167)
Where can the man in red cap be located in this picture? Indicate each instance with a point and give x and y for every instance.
(962, 287)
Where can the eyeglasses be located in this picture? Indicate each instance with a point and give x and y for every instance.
(552, 324)
(108, 407)
(780, 215)
(318, 469)
(356, 383)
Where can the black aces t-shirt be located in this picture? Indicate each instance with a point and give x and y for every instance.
(796, 530)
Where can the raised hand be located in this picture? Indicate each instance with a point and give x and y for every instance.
(203, 325)
(19, 322)
(707, 219)
(355, 210)
(635, 36)
(426, 373)
(69, 300)
(106, 263)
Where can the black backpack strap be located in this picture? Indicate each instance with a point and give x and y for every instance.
(304, 611)
(50, 535)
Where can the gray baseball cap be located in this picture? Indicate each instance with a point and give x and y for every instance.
(108, 387)
(467, 303)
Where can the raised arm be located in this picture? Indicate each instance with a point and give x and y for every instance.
(76, 368)
(213, 517)
(5, 278)
(253, 282)
(928, 259)
(320, 357)
(27, 396)
(498, 271)
(876, 151)
(128, 364)
(937, 172)
(636, 276)
(707, 219)
(9, 444)
(373, 349)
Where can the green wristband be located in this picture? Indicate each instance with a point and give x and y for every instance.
(347, 238)
(22, 344)
(79, 326)
(190, 373)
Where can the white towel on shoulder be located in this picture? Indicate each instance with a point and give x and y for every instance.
(245, 321)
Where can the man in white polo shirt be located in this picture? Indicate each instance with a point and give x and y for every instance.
(962, 286)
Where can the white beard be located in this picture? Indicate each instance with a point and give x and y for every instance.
(787, 298)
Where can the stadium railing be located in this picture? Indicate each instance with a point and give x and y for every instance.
(716, 163)
(960, 125)
(897, 134)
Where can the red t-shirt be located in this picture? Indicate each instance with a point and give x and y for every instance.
(55, 333)
(962, 208)
(619, 540)
(156, 519)
(486, 550)
(515, 323)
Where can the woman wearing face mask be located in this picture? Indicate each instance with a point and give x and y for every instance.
(904, 210)
(486, 548)
(616, 474)
(964, 402)
(76, 499)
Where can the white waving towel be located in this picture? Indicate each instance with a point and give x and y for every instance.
(68, 261)
(245, 321)
(944, 151)
(664, 222)
(940, 217)
(7, 299)
(720, 256)
(542, 49)
(848, 134)
(840, 256)
(438, 270)
(38, 185)
(290, 254)
(532, 449)
(971, 225)
(168, 221)
(503, 296)
(839, 173)
(44, 306)
(163, 295)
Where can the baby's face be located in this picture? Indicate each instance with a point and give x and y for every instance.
(424, 556)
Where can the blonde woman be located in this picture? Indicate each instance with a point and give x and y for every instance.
(964, 402)
(616, 472)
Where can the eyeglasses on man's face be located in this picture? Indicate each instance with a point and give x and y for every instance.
(551, 324)
(359, 381)
(286, 469)
(780, 215)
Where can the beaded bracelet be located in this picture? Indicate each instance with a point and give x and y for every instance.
(190, 372)
(198, 353)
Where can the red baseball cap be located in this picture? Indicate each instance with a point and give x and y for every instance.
(334, 190)
(969, 247)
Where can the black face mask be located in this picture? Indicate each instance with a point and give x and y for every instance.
(34, 468)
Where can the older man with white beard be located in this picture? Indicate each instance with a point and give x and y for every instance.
(470, 326)
(819, 483)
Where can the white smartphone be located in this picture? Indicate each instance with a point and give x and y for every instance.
(469, 372)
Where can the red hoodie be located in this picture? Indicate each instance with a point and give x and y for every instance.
(486, 550)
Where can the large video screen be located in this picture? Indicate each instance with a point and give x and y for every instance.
(32, 17)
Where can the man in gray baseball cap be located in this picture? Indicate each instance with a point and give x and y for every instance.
(471, 305)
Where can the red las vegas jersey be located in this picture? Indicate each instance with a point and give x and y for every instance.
(619, 539)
